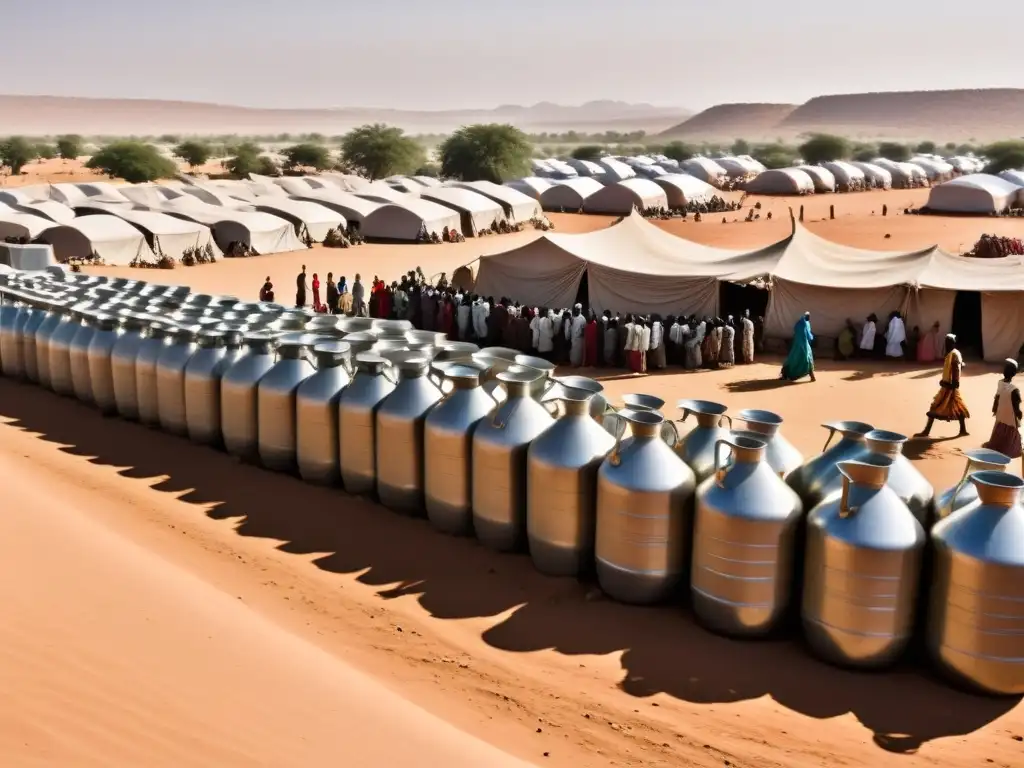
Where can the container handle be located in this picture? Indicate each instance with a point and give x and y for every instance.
(962, 483)
(614, 458)
(845, 510)
(502, 424)
(674, 433)
(721, 468)
(726, 417)
(831, 433)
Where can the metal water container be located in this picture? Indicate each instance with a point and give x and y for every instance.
(78, 353)
(324, 324)
(976, 619)
(618, 427)
(275, 400)
(218, 349)
(356, 324)
(399, 437)
(360, 341)
(239, 420)
(697, 447)
(863, 568)
(599, 406)
(387, 326)
(58, 314)
(170, 380)
(904, 478)
(316, 413)
(497, 360)
(357, 419)
(100, 355)
(448, 448)
(644, 497)
(500, 446)
(12, 359)
(742, 570)
(454, 350)
(780, 454)
(561, 486)
(818, 477)
(965, 494)
(35, 314)
(146, 395)
(60, 351)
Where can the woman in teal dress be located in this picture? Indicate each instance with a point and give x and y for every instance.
(800, 361)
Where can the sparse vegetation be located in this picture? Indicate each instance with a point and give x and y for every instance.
(491, 152)
(308, 154)
(824, 148)
(69, 147)
(591, 152)
(133, 161)
(193, 152)
(16, 152)
(1004, 156)
(45, 151)
(249, 158)
(679, 151)
(926, 148)
(775, 155)
(379, 150)
(894, 151)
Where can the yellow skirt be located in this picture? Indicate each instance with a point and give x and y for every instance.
(948, 406)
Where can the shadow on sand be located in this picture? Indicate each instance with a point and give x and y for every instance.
(662, 649)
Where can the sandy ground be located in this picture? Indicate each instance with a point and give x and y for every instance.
(167, 605)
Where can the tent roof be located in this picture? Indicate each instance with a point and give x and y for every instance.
(994, 185)
(962, 273)
(1014, 177)
(463, 199)
(691, 187)
(533, 182)
(153, 222)
(34, 225)
(337, 196)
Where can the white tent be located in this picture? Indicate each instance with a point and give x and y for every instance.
(69, 194)
(936, 170)
(1014, 177)
(313, 218)
(588, 168)
(848, 177)
(382, 192)
(405, 184)
(22, 225)
(681, 189)
(517, 206)
(102, 189)
(781, 181)
(621, 198)
(427, 181)
(346, 182)
(823, 179)
(705, 169)
(904, 175)
(149, 194)
(294, 185)
(476, 212)
(541, 167)
(615, 169)
(25, 194)
(976, 193)
(114, 240)
(262, 232)
(211, 195)
(166, 235)
(562, 169)
(531, 186)
(386, 221)
(569, 194)
(875, 176)
(737, 167)
(49, 209)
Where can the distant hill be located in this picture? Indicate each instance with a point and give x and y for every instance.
(965, 115)
(42, 115)
(727, 122)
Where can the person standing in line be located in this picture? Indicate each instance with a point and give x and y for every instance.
(300, 288)
(747, 344)
(577, 334)
(727, 354)
(316, 292)
(332, 294)
(546, 335)
(611, 341)
(267, 291)
(948, 405)
(867, 336)
(800, 361)
(1006, 409)
(358, 297)
(927, 346)
(590, 342)
(895, 337)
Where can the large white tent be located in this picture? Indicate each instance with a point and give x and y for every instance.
(1014, 177)
(149, 194)
(382, 192)
(518, 206)
(615, 169)
(307, 218)
(588, 168)
(848, 177)
(531, 186)
(262, 232)
(166, 235)
(114, 240)
(623, 197)
(476, 212)
(738, 167)
(781, 181)
(822, 178)
(681, 189)
(705, 169)
(976, 193)
(212, 195)
(568, 195)
(49, 209)
(69, 194)
(22, 225)
(876, 176)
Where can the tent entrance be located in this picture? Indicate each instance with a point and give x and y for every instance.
(734, 298)
(583, 292)
(967, 324)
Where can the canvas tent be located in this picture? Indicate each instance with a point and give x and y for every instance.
(22, 225)
(615, 169)
(114, 240)
(823, 179)
(517, 206)
(1014, 177)
(632, 266)
(847, 176)
(260, 231)
(381, 192)
(211, 195)
(569, 194)
(705, 169)
(737, 167)
(476, 212)
(49, 209)
(976, 193)
(588, 168)
(69, 194)
(875, 176)
(781, 181)
(149, 194)
(405, 184)
(166, 235)
(294, 185)
(681, 189)
(531, 186)
(310, 218)
(623, 197)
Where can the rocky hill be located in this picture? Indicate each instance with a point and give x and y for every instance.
(726, 122)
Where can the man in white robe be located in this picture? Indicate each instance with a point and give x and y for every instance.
(747, 338)
(867, 336)
(546, 335)
(480, 312)
(577, 330)
(895, 336)
(535, 329)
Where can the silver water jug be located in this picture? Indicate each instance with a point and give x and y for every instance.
(745, 528)
(316, 413)
(965, 493)
(635, 402)
(324, 324)
(818, 477)
(275, 400)
(448, 448)
(12, 359)
(780, 454)
(35, 314)
(384, 326)
(239, 421)
(360, 341)
(60, 351)
(697, 447)
(357, 419)
(644, 497)
(78, 353)
(455, 350)
(501, 444)
(863, 568)
(561, 486)
(975, 629)
(356, 324)
(58, 314)
(170, 380)
(217, 351)
(497, 360)
(904, 478)
(599, 406)
(399, 437)
(100, 355)
(147, 398)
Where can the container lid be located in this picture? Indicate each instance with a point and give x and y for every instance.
(417, 364)
(208, 337)
(520, 375)
(502, 353)
(643, 402)
(467, 347)
(332, 351)
(258, 338)
(535, 362)
(367, 361)
(757, 416)
(463, 370)
(297, 339)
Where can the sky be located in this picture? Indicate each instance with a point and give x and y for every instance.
(458, 54)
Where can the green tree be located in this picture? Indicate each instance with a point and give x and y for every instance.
(679, 151)
(248, 158)
(490, 152)
(591, 152)
(926, 148)
(69, 147)
(45, 151)
(380, 150)
(16, 152)
(1004, 156)
(776, 155)
(864, 153)
(430, 170)
(740, 147)
(823, 147)
(894, 151)
(308, 155)
(193, 152)
(133, 161)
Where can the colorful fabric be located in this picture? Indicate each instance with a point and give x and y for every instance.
(948, 405)
(1005, 439)
(800, 361)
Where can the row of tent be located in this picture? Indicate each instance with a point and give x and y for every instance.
(636, 267)
(620, 198)
(269, 215)
(612, 169)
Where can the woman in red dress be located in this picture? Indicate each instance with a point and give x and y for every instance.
(316, 293)
(590, 341)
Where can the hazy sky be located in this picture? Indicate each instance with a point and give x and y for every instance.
(440, 54)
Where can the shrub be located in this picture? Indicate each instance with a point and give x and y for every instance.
(16, 152)
(381, 150)
(491, 152)
(894, 151)
(824, 148)
(133, 161)
(69, 147)
(195, 153)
